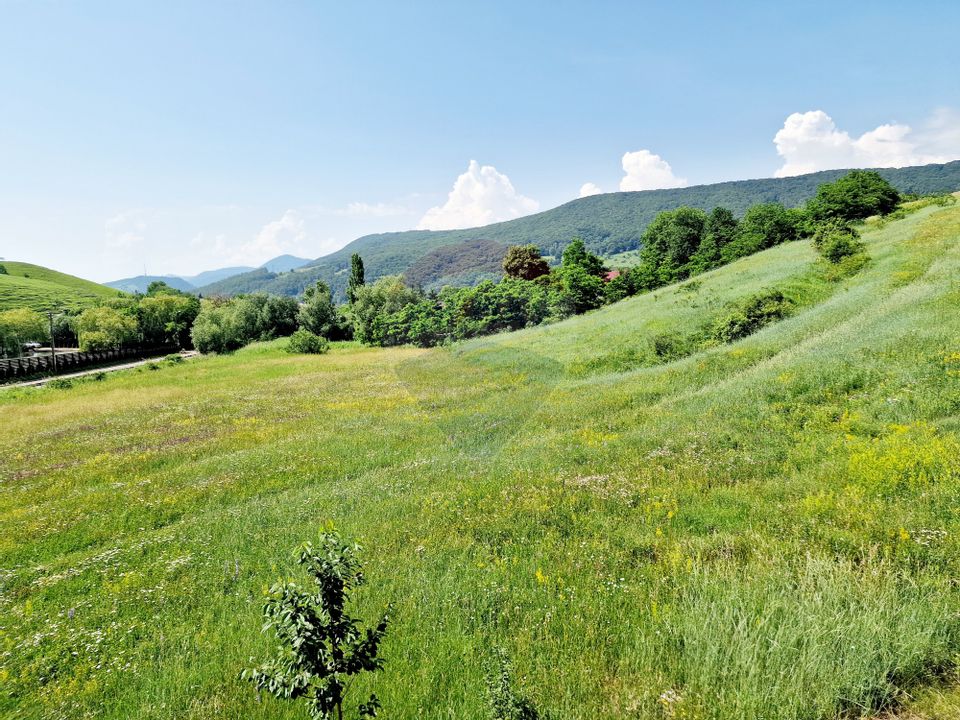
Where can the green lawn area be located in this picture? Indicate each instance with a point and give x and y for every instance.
(39, 288)
(766, 529)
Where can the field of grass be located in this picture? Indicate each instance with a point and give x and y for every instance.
(766, 529)
(39, 288)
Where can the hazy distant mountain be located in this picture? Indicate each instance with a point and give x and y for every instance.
(141, 282)
(282, 263)
(212, 276)
(189, 283)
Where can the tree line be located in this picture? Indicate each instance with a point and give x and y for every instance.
(163, 316)
(678, 244)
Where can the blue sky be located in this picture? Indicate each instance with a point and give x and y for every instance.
(184, 136)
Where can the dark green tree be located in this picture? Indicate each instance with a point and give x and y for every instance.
(719, 231)
(356, 277)
(576, 253)
(320, 645)
(857, 195)
(669, 243)
(318, 314)
(762, 227)
(525, 262)
(579, 290)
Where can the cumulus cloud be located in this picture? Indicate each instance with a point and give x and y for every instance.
(648, 171)
(811, 141)
(288, 234)
(588, 189)
(479, 196)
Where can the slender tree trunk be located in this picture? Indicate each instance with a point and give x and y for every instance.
(339, 711)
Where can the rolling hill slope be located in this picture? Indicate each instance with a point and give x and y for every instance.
(761, 529)
(608, 223)
(40, 288)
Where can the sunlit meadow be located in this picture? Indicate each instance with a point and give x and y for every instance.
(766, 529)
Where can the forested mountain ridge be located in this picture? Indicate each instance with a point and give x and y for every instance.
(608, 224)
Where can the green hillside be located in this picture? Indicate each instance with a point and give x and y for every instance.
(762, 529)
(39, 288)
(609, 223)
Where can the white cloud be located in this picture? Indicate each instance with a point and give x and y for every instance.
(811, 141)
(126, 229)
(647, 171)
(588, 189)
(286, 235)
(480, 196)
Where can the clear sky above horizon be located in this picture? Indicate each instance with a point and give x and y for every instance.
(178, 137)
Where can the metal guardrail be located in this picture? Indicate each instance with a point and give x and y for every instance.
(16, 368)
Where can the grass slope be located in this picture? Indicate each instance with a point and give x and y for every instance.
(40, 288)
(609, 223)
(760, 530)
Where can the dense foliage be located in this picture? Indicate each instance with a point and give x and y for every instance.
(457, 264)
(224, 325)
(524, 262)
(21, 326)
(855, 196)
(321, 647)
(106, 328)
(607, 223)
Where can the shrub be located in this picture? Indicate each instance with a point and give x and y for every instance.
(320, 645)
(669, 346)
(3, 270)
(60, 384)
(836, 241)
(304, 341)
(748, 316)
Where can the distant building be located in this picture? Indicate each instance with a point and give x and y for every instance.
(607, 277)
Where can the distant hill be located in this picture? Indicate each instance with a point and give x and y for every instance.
(465, 263)
(190, 283)
(284, 263)
(40, 288)
(609, 223)
(212, 276)
(140, 283)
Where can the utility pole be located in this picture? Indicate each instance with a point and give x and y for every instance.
(53, 344)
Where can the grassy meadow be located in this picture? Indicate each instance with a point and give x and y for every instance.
(39, 288)
(765, 529)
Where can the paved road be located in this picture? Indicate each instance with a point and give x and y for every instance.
(109, 368)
